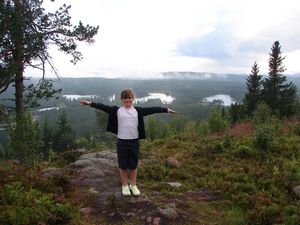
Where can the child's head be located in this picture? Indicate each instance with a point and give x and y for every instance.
(127, 97)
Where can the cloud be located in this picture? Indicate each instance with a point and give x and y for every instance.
(287, 33)
(215, 45)
(233, 50)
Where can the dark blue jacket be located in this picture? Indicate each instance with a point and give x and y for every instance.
(112, 123)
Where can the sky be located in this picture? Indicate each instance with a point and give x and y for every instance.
(147, 37)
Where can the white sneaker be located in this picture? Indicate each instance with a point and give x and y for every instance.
(135, 191)
(125, 190)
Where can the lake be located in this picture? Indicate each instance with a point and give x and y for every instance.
(226, 99)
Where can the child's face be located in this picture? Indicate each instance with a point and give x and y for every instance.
(127, 102)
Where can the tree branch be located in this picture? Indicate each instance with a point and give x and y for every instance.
(5, 88)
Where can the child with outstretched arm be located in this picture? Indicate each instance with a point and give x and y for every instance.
(128, 123)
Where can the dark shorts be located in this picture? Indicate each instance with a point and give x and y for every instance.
(128, 153)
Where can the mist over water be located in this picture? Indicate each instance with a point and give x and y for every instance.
(226, 99)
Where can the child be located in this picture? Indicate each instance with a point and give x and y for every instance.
(128, 123)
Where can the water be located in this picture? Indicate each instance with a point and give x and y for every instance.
(165, 99)
(226, 99)
(76, 97)
(47, 109)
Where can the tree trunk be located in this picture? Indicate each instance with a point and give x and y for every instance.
(19, 82)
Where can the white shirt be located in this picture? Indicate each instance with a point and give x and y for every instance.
(127, 123)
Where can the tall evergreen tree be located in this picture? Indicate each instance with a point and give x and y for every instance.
(47, 138)
(64, 137)
(254, 87)
(279, 95)
(26, 33)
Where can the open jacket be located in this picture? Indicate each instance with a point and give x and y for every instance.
(112, 123)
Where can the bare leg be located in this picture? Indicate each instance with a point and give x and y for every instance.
(124, 176)
(133, 175)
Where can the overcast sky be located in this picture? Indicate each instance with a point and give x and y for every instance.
(145, 37)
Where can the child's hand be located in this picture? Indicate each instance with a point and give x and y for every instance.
(83, 102)
(172, 111)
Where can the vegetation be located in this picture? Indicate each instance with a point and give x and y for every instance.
(254, 86)
(27, 31)
(277, 94)
(274, 91)
(27, 198)
(253, 166)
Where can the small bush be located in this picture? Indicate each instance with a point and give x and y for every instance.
(235, 216)
(244, 152)
(218, 147)
(217, 122)
(154, 172)
(264, 137)
(21, 206)
(297, 129)
(262, 114)
(292, 220)
(202, 128)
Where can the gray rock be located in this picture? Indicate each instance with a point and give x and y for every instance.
(52, 171)
(93, 190)
(174, 184)
(82, 163)
(99, 161)
(168, 212)
(88, 156)
(93, 171)
(89, 182)
(149, 219)
(156, 221)
(296, 190)
(172, 162)
(86, 211)
(171, 205)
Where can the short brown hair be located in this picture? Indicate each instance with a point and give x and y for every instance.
(127, 93)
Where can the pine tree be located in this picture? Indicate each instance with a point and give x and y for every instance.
(26, 33)
(254, 87)
(64, 138)
(279, 95)
(47, 138)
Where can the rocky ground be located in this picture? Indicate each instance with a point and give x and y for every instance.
(95, 179)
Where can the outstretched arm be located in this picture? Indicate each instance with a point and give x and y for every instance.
(103, 107)
(151, 110)
(84, 102)
(172, 111)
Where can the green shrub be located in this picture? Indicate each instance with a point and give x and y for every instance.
(297, 129)
(154, 172)
(200, 182)
(217, 122)
(292, 220)
(235, 216)
(263, 214)
(202, 128)
(218, 146)
(291, 213)
(262, 114)
(292, 172)
(21, 206)
(244, 188)
(264, 137)
(244, 151)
